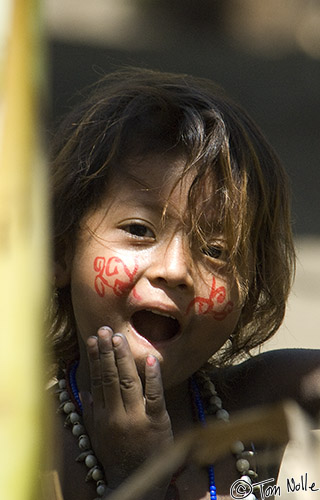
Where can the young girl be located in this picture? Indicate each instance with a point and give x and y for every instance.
(173, 253)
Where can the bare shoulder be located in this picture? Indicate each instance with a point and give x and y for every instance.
(273, 376)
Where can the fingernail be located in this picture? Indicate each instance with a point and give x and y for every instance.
(116, 339)
(151, 360)
(91, 341)
(104, 329)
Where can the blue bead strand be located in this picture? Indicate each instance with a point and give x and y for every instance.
(74, 386)
(202, 419)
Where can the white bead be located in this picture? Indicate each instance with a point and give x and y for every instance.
(251, 496)
(247, 479)
(74, 417)
(242, 465)
(209, 386)
(69, 407)
(77, 430)
(83, 455)
(90, 461)
(237, 447)
(222, 415)
(252, 473)
(101, 489)
(248, 453)
(62, 384)
(97, 474)
(84, 442)
(64, 396)
(215, 400)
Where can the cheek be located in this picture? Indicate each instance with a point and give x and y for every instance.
(115, 273)
(216, 303)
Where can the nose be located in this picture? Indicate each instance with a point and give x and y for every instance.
(172, 264)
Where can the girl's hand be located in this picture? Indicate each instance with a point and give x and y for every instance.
(125, 425)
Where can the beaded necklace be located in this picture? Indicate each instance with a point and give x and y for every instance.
(202, 419)
(70, 404)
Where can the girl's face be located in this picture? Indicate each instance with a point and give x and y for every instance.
(136, 272)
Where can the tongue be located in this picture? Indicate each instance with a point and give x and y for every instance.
(154, 327)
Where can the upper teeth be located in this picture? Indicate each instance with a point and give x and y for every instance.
(161, 313)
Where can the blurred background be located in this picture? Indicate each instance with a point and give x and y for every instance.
(265, 54)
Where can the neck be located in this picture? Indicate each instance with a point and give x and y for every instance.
(179, 407)
(83, 370)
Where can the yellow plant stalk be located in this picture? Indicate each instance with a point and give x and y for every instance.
(23, 254)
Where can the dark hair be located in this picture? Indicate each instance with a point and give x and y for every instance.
(135, 112)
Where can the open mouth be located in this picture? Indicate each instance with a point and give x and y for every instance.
(155, 326)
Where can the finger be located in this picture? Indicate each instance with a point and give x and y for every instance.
(95, 371)
(154, 396)
(130, 383)
(109, 371)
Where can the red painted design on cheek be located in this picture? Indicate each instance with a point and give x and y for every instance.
(108, 275)
(206, 306)
(135, 294)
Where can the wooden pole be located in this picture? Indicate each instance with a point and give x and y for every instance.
(23, 250)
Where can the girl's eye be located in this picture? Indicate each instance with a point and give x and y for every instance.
(139, 230)
(215, 252)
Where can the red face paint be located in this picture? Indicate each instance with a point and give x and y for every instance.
(206, 306)
(108, 275)
(135, 294)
